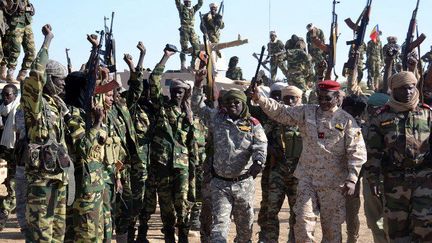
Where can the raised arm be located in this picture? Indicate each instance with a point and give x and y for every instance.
(198, 5)
(155, 78)
(178, 5)
(198, 99)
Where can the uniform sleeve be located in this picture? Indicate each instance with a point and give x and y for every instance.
(259, 146)
(375, 148)
(281, 113)
(155, 85)
(355, 150)
(178, 5)
(198, 5)
(135, 88)
(75, 126)
(199, 107)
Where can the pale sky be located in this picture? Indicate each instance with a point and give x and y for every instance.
(156, 23)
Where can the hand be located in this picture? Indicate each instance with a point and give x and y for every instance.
(46, 31)
(375, 190)
(255, 93)
(119, 186)
(98, 114)
(168, 53)
(348, 188)
(93, 39)
(128, 59)
(199, 77)
(104, 72)
(255, 169)
(141, 47)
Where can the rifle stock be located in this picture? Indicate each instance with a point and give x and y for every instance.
(207, 61)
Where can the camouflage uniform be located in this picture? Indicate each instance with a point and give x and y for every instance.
(46, 203)
(213, 25)
(399, 148)
(171, 153)
(299, 69)
(276, 51)
(187, 33)
(333, 153)
(234, 74)
(236, 145)
(374, 62)
(287, 142)
(427, 57)
(3, 28)
(318, 56)
(19, 33)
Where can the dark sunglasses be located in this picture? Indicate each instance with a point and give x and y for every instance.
(325, 98)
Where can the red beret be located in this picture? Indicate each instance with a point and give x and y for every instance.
(329, 85)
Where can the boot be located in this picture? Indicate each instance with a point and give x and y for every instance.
(123, 238)
(183, 234)
(10, 76)
(3, 218)
(22, 75)
(142, 234)
(3, 72)
(131, 234)
(169, 235)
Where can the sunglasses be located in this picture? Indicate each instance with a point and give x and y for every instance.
(325, 98)
(232, 101)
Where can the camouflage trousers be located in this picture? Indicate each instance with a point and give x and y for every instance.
(7, 203)
(374, 212)
(46, 210)
(108, 206)
(374, 70)
(408, 205)
(123, 215)
(262, 214)
(206, 209)
(21, 196)
(15, 37)
(234, 198)
(214, 37)
(198, 198)
(282, 184)
(276, 63)
(311, 201)
(188, 36)
(352, 206)
(318, 61)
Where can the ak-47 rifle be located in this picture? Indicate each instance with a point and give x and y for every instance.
(255, 78)
(109, 52)
(207, 61)
(69, 63)
(410, 43)
(353, 59)
(330, 49)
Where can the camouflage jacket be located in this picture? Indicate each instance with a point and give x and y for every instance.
(309, 36)
(299, 62)
(285, 140)
(115, 149)
(172, 142)
(333, 146)
(187, 15)
(374, 52)
(397, 141)
(236, 144)
(35, 105)
(427, 57)
(234, 74)
(213, 23)
(276, 50)
(22, 16)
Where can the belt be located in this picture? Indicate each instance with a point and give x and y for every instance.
(235, 179)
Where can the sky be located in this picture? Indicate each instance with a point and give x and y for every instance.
(156, 23)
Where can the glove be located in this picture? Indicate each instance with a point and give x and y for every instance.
(255, 169)
(348, 188)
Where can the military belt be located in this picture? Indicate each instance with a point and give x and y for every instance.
(235, 179)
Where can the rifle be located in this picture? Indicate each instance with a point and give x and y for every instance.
(359, 33)
(109, 53)
(262, 64)
(221, 9)
(410, 44)
(69, 63)
(330, 49)
(207, 61)
(254, 79)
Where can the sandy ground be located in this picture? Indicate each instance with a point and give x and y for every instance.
(11, 234)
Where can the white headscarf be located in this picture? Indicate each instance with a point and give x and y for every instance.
(9, 137)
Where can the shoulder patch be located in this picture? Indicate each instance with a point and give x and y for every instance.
(254, 121)
(382, 109)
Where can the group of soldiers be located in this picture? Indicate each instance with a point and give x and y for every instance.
(98, 161)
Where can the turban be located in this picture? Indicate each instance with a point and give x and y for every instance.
(179, 84)
(278, 86)
(213, 5)
(399, 80)
(239, 95)
(56, 69)
(292, 91)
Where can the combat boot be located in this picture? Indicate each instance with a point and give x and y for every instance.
(131, 234)
(142, 234)
(183, 234)
(22, 75)
(10, 76)
(123, 238)
(169, 235)
(3, 72)
(3, 218)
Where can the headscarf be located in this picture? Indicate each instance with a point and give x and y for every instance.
(278, 86)
(186, 106)
(398, 80)
(292, 90)
(238, 95)
(56, 69)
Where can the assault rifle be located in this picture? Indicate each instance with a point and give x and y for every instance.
(69, 63)
(410, 44)
(109, 56)
(353, 59)
(254, 81)
(207, 61)
(330, 49)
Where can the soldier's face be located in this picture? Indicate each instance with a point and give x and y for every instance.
(187, 4)
(272, 37)
(109, 100)
(234, 107)
(291, 100)
(60, 83)
(327, 100)
(405, 93)
(8, 96)
(213, 10)
(276, 95)
(177, 95)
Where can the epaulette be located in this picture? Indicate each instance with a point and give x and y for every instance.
(254, 121)
(425, 106)
(382, 109)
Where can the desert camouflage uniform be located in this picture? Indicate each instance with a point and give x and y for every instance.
(299, 69)
(399, 149)
(234, 74)
(318, 56)
(213, 25)
(236, 145)
(187, 32)
(19, 33)
(333, 152)
(276, 51)
(374, 62)
(46, 202)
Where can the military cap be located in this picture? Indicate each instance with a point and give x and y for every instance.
(329, 85)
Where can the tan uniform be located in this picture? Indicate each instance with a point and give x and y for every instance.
(333, 152)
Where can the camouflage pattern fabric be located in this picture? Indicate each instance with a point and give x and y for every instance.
(299, 69)
(352, 206)
(213, 25)
(265, 184)
(360, 65)
(374, 61)
(398, 143)
(427, 57)
(276, 51)
(7, 203)
(333, 152)
(234, 74)
(318, 56)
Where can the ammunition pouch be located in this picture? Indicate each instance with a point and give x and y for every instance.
(50, 157)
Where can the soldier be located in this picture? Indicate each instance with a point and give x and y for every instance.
(427, 57)
(19, 33)
(3, 27)
(374, 62)
(276, 54)
(234, 72)
(318, 56)
(391, 53)
(212, 23)
(187, 32)
(8, 108)
(47, 177)
(239, 146)
(329, 165)
(399, 149)
(286, 152)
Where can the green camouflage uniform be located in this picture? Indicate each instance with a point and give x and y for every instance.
(276, 51)
(427, 57)
(374, 62)
(398, 149)
(3, 28)
(170, 155)
(46, 202)
(318, 56)
(213, 25)
(234, 74)
(299, 69)
(187, 33)
(19, 33)
(360, 66)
